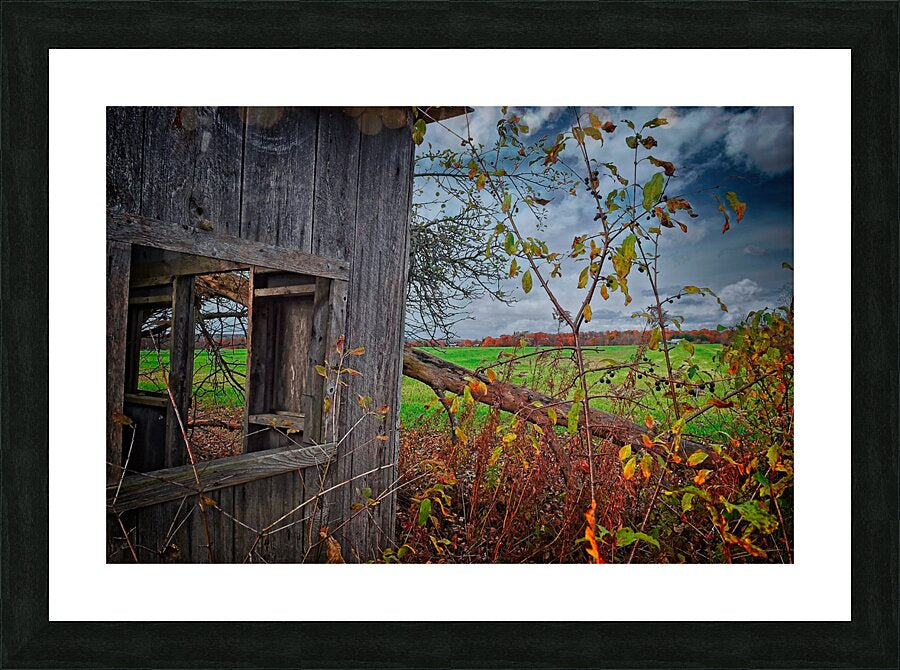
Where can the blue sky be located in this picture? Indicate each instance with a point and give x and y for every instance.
(746, 150)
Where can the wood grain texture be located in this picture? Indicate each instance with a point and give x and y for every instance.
(314, 390)
(118, 261)
(181, 370)
(336, 187)
(376, 294)
(334, 235)
(141, 490)
(192, 167)
(124, 158)
(154, 267)
(279, 172)
(185, 239)
(276, 291)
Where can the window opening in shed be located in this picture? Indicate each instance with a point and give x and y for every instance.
(237, 350)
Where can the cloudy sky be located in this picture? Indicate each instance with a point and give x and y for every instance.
(746, 150)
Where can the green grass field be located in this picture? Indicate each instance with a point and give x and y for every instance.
(544, 372)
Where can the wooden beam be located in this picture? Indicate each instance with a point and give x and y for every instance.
(181, 368)
(276, 291)
(142, 490)
(158, 300)
(314, 390)
(136, 229)
(155, 267)
(277, 420)
(118, 261)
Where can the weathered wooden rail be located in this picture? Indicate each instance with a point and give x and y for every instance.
(186, 239)
(151, 488)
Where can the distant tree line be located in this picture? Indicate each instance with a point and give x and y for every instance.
(600, 338)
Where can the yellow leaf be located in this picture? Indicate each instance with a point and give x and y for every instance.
(647, 465)
(629, 468)
(624, 452)
(491, 376)
(696, 458)
(121, 419)
(587, 313)
(583, 278)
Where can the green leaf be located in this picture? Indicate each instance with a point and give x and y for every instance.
(756, 514)
(628, 243)
(655, 337)
(697, 458)
(526, 282)
(631, 141)
(624, 537)
(510, 243)
(574, 412)
(687, 502)
(653, 190)
(583, 278)
(424, 511)
(507, 202)
(646, 538)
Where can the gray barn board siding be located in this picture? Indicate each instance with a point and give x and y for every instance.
(181, 370)
(118, 261)
(192, 166)
(377, 290)
(309, 181)
(279, 167)
(124, 156)
(334, 225)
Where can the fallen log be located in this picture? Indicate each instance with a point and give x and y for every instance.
(528, 404)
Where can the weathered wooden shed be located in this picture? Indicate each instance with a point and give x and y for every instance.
(312, 203)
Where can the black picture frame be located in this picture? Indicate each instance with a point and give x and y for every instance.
(869, 29)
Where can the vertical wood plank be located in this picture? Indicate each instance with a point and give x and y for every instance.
(334, 234)
(181, 368)
(124, 154)
(118, 262)
(279, 165)
(314, 392)
(192, 167)
(377, 292)
(337, 173)
(124, 146)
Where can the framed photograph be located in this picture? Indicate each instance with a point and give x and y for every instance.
(533, 341)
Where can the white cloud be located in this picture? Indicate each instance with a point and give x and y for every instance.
(536, 117)
(754, 250)
(762, 139)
